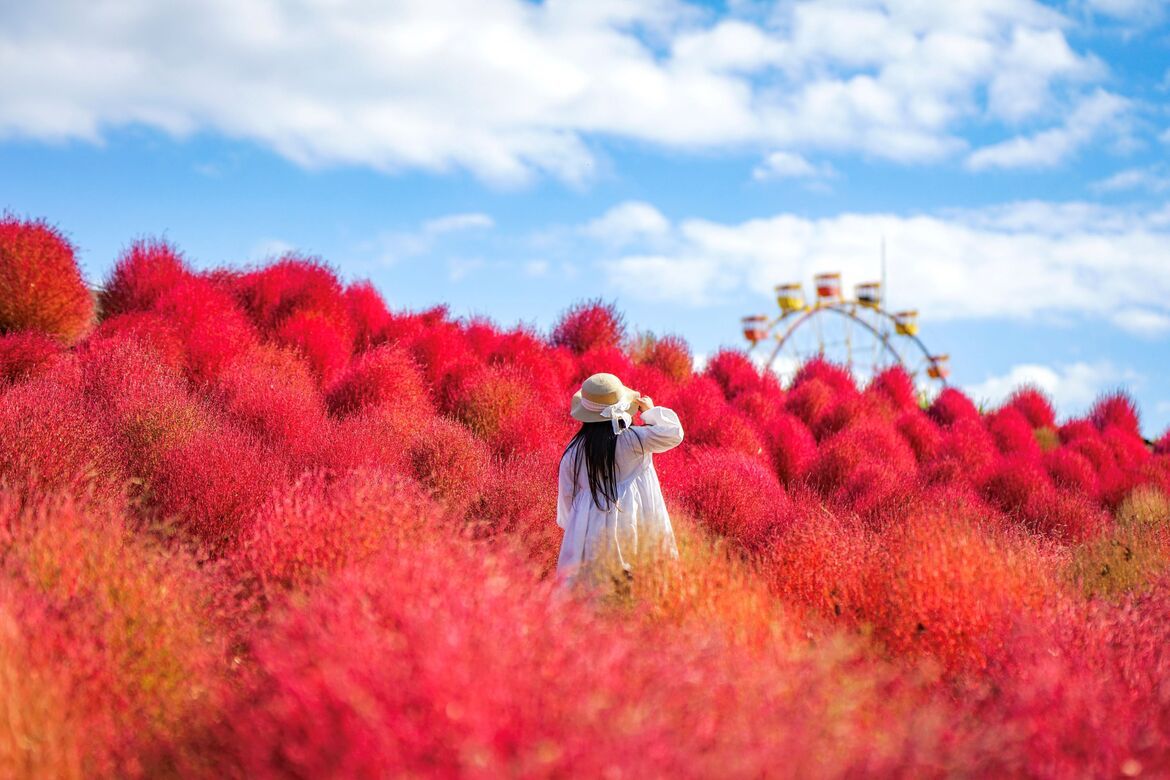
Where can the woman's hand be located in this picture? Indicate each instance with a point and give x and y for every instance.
(644, 403)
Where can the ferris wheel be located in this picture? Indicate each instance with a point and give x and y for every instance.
(858, 333)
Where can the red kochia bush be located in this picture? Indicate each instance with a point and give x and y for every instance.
(142, 274)
(24, 354)
(322, 524)
(840, 456)
(1013, 434)
(810, 402)
(386, 375)
(896, 386)
(589, 325)
(1129, 448)
(1079, 690)
(951, 406)
(1071, 470)
(734, 372)
(145, 403)
(866, 469)
(820, 561)
(942, 585)
(1035, 406)
(368, 314)
(923, 436)
(437, 348)
(364, 680)
(486, 399)
(41, 287)
(521, 509)
(964, 455)
(1020, 487)
(148, 329)
(732, 494)
(272, 392)
(608, 360)
(52, 437)
(836, 377)
(523, 351)
(1116, 410)
(701, 403)
(671, 355)
(211, 482)
(324, 344)
(376, 439)
(791, 446)
(451, 462)
(118, 634)
(212, 326)
(293, 284)
(1162, 445)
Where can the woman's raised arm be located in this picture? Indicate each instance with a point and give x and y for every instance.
(662, 430)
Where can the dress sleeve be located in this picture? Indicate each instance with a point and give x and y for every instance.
(662, 430)
(566, 483)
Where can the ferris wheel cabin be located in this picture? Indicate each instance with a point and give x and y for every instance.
(755, 328)
(906, 322)
(940, 367)
(869, 294)
(790, 297)
(828, 287)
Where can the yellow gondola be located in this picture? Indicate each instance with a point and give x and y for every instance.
(906, 323)
(790, 297)
(940, 367)
(828, 287)
(869, 294)
(755, 328)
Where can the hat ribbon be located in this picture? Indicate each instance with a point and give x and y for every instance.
(617, 414)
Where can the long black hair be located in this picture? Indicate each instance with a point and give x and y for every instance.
(597, 444)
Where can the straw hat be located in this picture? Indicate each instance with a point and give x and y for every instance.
(600, 389)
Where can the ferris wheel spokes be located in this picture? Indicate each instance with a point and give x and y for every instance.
(857, 332)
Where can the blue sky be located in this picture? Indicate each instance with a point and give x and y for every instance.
(509, 158)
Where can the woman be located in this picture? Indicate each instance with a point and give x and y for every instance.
(609, 501)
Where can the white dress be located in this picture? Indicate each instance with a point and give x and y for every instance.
(606, 539)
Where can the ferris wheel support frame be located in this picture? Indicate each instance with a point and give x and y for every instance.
(848, 310)
(839, 308)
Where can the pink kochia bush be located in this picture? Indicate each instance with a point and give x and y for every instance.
(253, 523)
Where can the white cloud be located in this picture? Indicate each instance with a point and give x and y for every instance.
(456, 222)
(1014, 261)
(268, 249)
(390, 247)
(1148, 179)
(1034, 59)
(1132, 11)
(627, 223)
(458, 268)
(536, 268)
(1095, 114)
(1165, 136)
(789, 165)
(1073, 387)
(690, 280)
(510, 89)
(1143, 322)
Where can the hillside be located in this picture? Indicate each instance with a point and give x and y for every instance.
(255, 524)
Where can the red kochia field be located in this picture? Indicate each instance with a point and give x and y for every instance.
(253, 524)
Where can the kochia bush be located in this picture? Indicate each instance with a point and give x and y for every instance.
(41, 288)
(255, 524)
